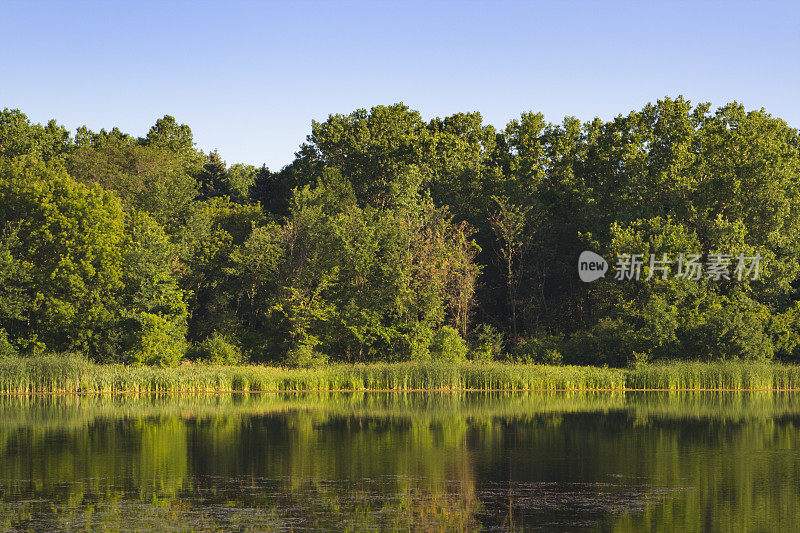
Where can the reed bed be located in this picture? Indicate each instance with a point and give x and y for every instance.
(723, 375)
(72, 373)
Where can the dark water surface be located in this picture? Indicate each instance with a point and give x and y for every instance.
(408, 461)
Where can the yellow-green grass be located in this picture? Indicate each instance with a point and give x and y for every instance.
(70, 374)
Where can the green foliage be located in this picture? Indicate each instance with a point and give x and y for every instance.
(305, 353)
(216, 349)
(785, 331)
(730, 328)
(542, 349)
(487, 343)
(241, 180)
(447, 345)
(389, 233)
(18, 137)
(369, 148)
(15, 277)
(146, 178)
(166, 133)
(6, 348)
(62, 255)
(211, 249)
(159, 342)
(273, 190)
(214, 180)
(365, 283)
(153, 305)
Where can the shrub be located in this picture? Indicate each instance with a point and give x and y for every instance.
(416, 344)
(217, 350)
(6, 348)
(785, 331)
(160, 342)
(609, 342)
(729, 328)
(447, 345)
(305, 354)
(487, 343)
(542, 349)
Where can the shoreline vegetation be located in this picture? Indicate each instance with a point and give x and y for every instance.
(74, 374)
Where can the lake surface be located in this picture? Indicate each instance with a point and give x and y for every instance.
(400, 461)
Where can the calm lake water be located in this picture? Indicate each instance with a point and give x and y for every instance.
(378, 461)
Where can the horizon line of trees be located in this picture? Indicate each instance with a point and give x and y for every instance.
(392, 238)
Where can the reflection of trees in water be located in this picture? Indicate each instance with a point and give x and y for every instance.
(402, 461)
(288, 462)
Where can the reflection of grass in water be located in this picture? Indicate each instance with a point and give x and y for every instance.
(42, 413)
(63, 410)
(731, 406)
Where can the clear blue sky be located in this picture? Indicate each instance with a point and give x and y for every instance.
(249, 77)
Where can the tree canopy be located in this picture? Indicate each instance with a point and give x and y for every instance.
(392, 237)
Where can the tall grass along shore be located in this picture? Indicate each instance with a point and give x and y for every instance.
(71, 374)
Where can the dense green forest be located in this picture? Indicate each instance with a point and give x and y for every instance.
(392, 238)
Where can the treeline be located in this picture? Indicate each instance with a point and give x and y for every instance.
(392, 238)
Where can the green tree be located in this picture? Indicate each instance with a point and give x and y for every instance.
(166, 133)
(64, 240)
(19, 137)
(511, 224)
(214, 231)
(153, 312)
(213, 180)
(146, 178)
(355, 283)
(242, 179)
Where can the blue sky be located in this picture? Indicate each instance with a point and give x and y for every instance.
(249, 77)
